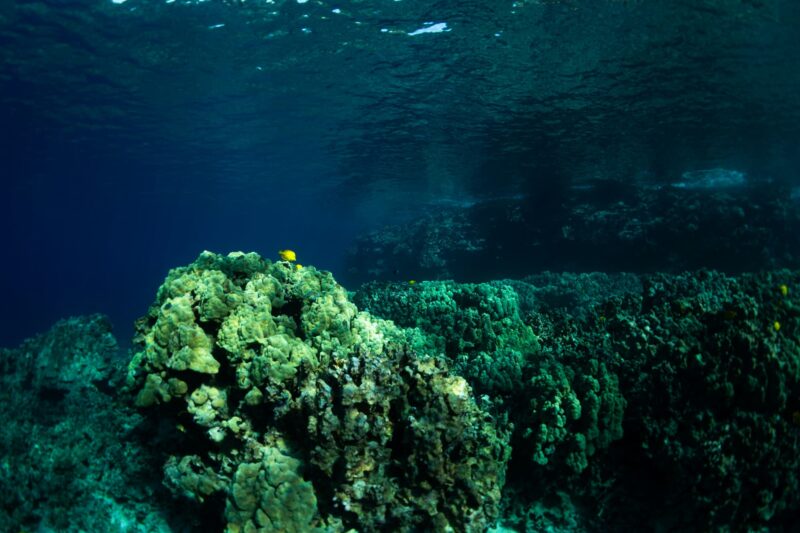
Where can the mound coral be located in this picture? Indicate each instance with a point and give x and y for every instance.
(476, 326)
(564, 405)
(302, 413)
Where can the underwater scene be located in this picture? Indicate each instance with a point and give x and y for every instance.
(353, 266)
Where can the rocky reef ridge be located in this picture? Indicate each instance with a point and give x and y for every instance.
(261, 396)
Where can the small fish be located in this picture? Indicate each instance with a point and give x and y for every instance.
(412, 281)
(776, 326)
(287, 255)
(298, 266)
(784, 289)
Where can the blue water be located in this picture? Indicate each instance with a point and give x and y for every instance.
(137, 134)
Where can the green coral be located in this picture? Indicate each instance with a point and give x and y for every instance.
(271, 495)
(715, 387)
(564, 405)
(575, 409)
(478, 327)
(664, 402)
(69, 456)
(248, 358)
(436, 422)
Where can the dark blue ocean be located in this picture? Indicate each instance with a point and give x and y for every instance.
(137, 134)
(531, 184)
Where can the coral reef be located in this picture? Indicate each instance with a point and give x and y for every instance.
(477, 327)
(715, 392)
(69, 457)
(284, 396)
(600, 226)
(266, 401)
(659, 401)
(565, 407)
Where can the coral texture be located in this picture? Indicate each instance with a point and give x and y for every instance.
(69, 456)
(658, 401)
(284, 396)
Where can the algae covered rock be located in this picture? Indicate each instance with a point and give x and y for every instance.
(303, 413)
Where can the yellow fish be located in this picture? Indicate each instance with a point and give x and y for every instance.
(784, 290)
(411, 282)
(298, 266)
(287, 255)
